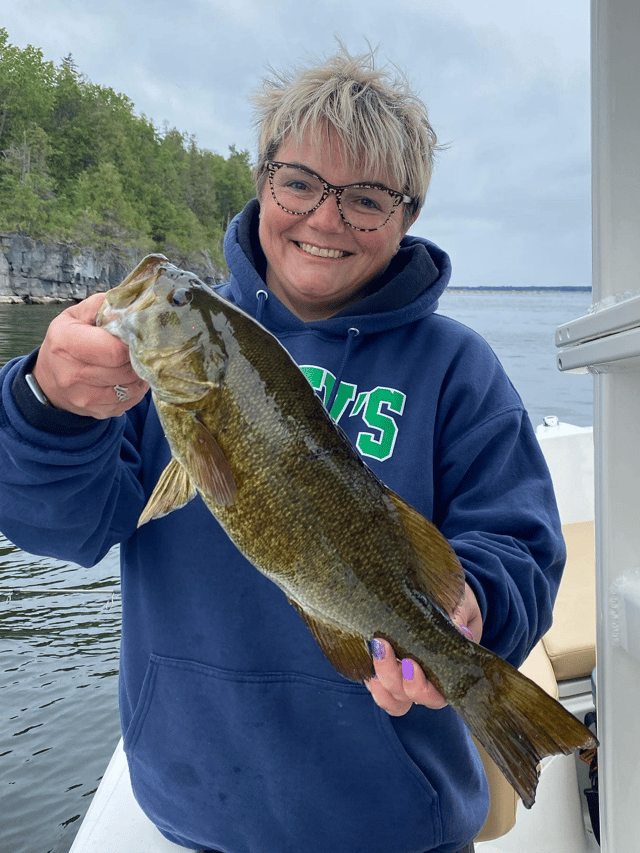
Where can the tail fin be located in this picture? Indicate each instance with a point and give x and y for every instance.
(519, 724)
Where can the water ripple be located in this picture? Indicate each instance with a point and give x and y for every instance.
(58, 688)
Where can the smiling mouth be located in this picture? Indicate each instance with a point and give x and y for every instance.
(322, 253)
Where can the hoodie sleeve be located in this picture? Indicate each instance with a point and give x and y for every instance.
(496, 505)
(70, 494)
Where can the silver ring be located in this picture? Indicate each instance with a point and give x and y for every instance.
(122, 393)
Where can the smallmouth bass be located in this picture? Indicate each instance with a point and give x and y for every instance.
(247, 432)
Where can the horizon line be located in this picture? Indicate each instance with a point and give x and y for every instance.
(565, 288)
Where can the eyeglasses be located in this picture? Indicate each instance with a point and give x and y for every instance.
(364, 207)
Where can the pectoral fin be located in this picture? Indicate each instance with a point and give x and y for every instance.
(347, 652)
(209, 468)
(439, 573)
(173, 490)
(206, 469)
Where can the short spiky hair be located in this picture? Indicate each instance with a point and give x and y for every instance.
(380, 121)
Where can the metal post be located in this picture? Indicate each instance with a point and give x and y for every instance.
(616, 278)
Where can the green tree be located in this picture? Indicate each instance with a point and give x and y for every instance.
(74, 141)
(236, 186)
(100, 197)
(26, 96)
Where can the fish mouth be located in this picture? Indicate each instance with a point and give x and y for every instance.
(134, 293)
(322, 252)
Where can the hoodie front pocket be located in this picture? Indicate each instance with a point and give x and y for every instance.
(275, 763)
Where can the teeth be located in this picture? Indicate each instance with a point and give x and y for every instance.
(322, 253)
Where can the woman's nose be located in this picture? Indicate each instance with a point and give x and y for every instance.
(328, 216)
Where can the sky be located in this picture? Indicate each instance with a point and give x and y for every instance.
(506, 84)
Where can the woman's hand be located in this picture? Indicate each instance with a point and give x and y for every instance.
(400, 684)
(79, 365)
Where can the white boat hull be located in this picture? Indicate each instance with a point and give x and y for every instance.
(115, 823)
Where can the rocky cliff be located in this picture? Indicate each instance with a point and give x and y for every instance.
(33, 271)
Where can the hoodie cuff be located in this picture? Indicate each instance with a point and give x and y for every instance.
(45, 418)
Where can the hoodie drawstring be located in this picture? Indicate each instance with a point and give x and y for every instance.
(262, 296)
(353, 334)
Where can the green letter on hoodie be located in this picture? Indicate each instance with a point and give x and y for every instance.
(379, 445)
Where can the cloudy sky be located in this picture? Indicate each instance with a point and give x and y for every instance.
(506, 83)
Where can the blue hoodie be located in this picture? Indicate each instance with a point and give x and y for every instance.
(240, 736)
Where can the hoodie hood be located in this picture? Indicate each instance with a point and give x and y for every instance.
(408, 290)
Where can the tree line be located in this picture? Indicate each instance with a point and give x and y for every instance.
(78, 165)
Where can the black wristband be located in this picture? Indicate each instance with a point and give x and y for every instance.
(36, 390)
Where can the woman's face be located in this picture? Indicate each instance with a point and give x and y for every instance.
(316, 263)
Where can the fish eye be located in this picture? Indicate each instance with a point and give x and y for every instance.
(180, 297)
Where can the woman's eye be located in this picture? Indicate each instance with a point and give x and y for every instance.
(297, 186)
(368, 203)
(181, 297)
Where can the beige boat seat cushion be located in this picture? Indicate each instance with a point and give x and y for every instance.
(568, 650)
(571, 640)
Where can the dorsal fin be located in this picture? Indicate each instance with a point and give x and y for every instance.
(438, 571)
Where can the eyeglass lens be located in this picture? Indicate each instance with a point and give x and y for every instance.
(364, 207)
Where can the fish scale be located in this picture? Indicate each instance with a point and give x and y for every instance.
(248, 433)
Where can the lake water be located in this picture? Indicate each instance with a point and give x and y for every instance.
(59, 649)
(520, 326)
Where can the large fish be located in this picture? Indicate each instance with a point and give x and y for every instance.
(248, 433)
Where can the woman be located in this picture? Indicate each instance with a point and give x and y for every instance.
(240, 735)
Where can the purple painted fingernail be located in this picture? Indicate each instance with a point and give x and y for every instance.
(377, 649)
(407, 669)
(466, 631)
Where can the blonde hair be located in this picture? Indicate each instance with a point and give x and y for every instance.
(381, 123)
